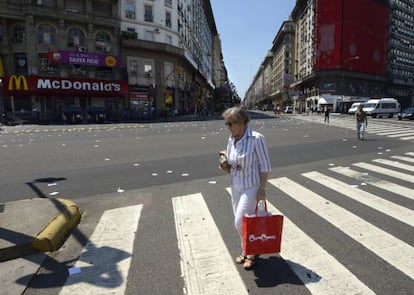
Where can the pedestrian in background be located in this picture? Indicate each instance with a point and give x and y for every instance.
(327, 115)
(361, 121)
(249, 161)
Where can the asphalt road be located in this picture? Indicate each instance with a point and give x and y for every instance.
(116, 166)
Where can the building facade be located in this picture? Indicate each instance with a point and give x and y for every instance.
(127, 59)
(348, 51)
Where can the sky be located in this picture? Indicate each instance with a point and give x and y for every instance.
(247, 29)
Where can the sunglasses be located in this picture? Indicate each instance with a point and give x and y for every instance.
(230, 123)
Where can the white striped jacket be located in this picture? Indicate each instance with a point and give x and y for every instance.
(248, 157)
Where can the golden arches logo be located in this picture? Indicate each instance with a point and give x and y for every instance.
(18, 82)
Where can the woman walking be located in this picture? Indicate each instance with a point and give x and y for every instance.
(249, 170)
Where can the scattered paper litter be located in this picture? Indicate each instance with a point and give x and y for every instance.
(52, 184)
(136, 164)
(154, 174)
(184, 174)
(169, 171)
(53, 193)
(212, 182)
(120, 190)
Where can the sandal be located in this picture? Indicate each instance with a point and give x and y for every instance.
(249, 262)
(240, 259)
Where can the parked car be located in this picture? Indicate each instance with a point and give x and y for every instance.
(354, 107)
(288, 110)
(408, 113)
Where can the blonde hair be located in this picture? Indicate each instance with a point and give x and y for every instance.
(237, 115)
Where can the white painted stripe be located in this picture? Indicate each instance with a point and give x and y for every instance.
(382, 184)
(385, 171)
(407, 138)
(207, 266)
(384, 206)
(105, 260)
(395, 131)
(406, 159)
(410, 154)
(319, 271)
(395, 164)
(394, 251)
(400, 134)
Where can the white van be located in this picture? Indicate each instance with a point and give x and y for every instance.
(354, 107)
(382, 107)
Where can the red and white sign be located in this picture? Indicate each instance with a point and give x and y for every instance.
(67, 86)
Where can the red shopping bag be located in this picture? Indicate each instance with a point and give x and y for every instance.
(262, 234)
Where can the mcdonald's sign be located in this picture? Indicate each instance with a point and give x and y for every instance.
(17, 83)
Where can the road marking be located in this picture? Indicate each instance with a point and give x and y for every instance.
(382, 184)
(385, 171)
(392, 250)
(105, 260)
(405, 133)
(406, 159)
(384, 206)
(319, 271)
(395, 164)
(407, 138)
(207, 266)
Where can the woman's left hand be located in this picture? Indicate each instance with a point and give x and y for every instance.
(261, 195)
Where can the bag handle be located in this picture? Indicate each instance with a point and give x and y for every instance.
(257, 206)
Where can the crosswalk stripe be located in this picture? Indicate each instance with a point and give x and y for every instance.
(384, 206)
(319, 271)
(395, 164)
(385, 171)
(199, 241)
(410, 154)
(406, 159)
(394, 251)
(105, 260)
(407, 138)
(382, 184)
(396, 132)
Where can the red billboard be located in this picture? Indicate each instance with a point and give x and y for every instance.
(351, 34)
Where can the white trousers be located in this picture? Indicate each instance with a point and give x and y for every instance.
(244, 202)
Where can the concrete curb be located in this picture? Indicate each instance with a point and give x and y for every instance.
(53, 235)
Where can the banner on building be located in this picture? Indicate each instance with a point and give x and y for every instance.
(85, 58)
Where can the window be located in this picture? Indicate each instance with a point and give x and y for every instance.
(18, 35)
(148, 16)
(149, 35)
(130, 9)
(46, 35)
(20, 63)
(168, 19)
(76, 38)
(168, 2)
(148, 70)
(45, 65)
(103, 42)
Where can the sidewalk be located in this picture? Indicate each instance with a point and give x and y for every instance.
(35, 225)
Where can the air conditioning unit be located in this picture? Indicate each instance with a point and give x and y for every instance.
(82, 49)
